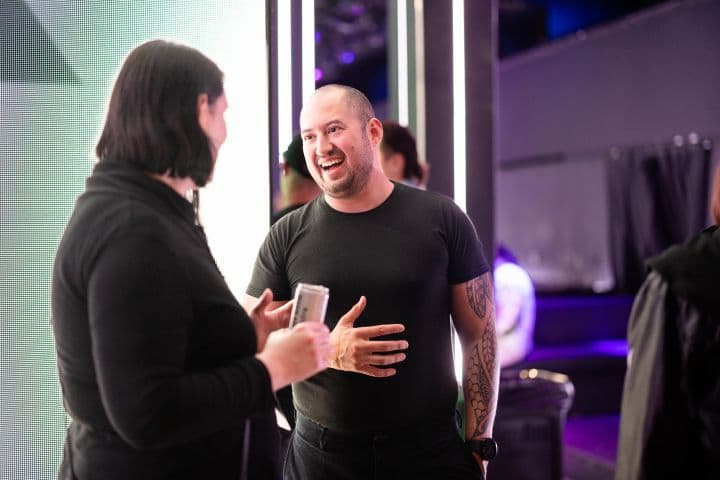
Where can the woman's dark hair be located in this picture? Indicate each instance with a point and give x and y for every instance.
(152, 118)
(399, 139)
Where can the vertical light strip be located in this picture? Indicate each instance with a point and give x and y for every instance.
(308, 48)
(458, 53)
(284, 69)
(402, 59)
(459, 148)
(420, 79)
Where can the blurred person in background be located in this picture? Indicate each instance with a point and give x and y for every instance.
(515, 308)
(399, 156)
(297, 186)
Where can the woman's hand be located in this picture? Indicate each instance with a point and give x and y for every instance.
(266, 320)
(294, 354)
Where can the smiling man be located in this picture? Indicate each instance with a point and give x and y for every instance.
(398, 262)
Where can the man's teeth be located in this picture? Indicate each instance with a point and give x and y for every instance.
(330, 164)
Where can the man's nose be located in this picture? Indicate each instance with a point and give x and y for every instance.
(322, 145)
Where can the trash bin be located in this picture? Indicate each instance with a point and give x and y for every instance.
(532, 407)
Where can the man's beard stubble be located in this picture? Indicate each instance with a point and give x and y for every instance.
(357, 178)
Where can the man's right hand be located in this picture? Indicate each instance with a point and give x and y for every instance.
(354, 351)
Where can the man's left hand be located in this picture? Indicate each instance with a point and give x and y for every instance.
(355, 350)
(482, 463)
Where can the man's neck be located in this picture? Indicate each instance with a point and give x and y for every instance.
(377, 190)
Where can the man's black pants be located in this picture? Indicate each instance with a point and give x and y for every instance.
(428, 452)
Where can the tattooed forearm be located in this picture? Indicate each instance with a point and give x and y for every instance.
(481, 361)
(488, 342)
(479, 391)
(479, 295)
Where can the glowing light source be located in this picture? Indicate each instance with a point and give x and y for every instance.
(347, 57)
(402, 60)
(459, 153)
(284, 79)
(459, 140)
(309, 38)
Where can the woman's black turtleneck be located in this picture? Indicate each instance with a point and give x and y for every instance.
(155, 354)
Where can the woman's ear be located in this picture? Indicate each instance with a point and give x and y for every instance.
(203, 111)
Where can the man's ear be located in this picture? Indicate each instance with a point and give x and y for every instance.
(375, 131)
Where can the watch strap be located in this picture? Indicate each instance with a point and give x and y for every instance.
(485, 447)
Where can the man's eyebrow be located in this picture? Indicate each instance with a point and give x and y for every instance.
(325, 125)
(334, 120)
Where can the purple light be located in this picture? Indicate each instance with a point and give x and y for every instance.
(318, 37)
(357, 9)
(347, 57)
(318, 74)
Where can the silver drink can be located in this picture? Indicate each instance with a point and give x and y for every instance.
(310, 303)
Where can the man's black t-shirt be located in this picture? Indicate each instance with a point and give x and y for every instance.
(403, 256)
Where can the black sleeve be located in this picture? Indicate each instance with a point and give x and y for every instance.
(466, 259)
(269, 269)
(139, 311)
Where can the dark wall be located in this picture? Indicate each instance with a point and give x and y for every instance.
(562, 107)
(649, 77)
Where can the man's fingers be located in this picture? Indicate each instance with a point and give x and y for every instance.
(379, 330)
(374, 346)
(386, 359)
(378, 372)
(349, 318)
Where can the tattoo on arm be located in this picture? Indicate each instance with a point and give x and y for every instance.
(480, 392)
(478, 293)
(482, 358)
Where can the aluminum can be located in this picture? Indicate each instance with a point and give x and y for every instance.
(310, 303)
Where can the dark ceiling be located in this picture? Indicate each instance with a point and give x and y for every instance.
(351, 34)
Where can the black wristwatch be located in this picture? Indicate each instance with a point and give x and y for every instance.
(487, 448)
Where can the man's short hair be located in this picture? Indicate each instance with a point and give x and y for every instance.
(152, 118)
(358, 102)
(295, 157)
